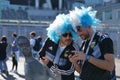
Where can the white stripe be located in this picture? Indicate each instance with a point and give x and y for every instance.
(63, 72)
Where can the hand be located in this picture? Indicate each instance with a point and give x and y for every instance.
(45, 60)
(72, 59)
(80, 56)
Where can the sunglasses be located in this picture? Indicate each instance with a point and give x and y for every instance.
(78, 28)
(66, 34)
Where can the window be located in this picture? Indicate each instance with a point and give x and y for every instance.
(99, 15)
(108, 15)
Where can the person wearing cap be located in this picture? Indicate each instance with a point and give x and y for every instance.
(96, 53)
(54, 51)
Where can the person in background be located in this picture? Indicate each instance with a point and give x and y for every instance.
(32, 44)
(39, 38)
(96, 53)
(14, 63)
(58, 46)
(3, 55)
(15, 53)
(37, 46)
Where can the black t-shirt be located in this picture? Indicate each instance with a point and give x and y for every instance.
(3, 53)
(100, 46)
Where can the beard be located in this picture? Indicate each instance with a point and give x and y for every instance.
(66, 42)
(86, 36)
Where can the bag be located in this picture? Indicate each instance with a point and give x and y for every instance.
(37, 45)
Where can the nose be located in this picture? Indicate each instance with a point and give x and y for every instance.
(68, 37)
(79, 33)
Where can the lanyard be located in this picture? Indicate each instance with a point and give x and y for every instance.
(90, 43)
(88, 48)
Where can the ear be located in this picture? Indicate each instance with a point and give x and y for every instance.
(88, 28)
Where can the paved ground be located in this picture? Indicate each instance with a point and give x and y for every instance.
(20, 75)
(14, 76)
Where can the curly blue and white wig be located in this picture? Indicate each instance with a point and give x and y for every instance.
(60, 26)
(83, 17)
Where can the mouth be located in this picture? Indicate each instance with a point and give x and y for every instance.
(82, 37)
(68, 40)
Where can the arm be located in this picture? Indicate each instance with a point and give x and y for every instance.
(46, 61)
(107, 64)
(75, 63)
(42, 54)
(43, 49)
(107, 50)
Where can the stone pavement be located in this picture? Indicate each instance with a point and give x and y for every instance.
(20, 75)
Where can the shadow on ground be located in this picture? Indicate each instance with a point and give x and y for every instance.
(11, 76)
(22, 76)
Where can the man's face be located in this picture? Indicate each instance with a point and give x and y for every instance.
(31, 36)
(83, 32)
(66, 39)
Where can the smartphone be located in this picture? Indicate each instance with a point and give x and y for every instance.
(70, 52)
(42, 58)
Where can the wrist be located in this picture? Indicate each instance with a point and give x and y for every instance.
(88, 57)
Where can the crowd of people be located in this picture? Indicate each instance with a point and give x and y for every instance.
(93, 59)
(15, 52)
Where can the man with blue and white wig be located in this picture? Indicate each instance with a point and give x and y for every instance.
(58, 46)
(96, 53)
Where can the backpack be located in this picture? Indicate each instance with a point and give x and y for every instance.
(37, 45)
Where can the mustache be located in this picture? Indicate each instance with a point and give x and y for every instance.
(68, 40)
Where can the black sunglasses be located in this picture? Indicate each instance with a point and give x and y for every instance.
(78, 28)
(66, 34)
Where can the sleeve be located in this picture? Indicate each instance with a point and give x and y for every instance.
(107, 46)
(32, 42)
(68, 68)
(15, 42)
(42, 51)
